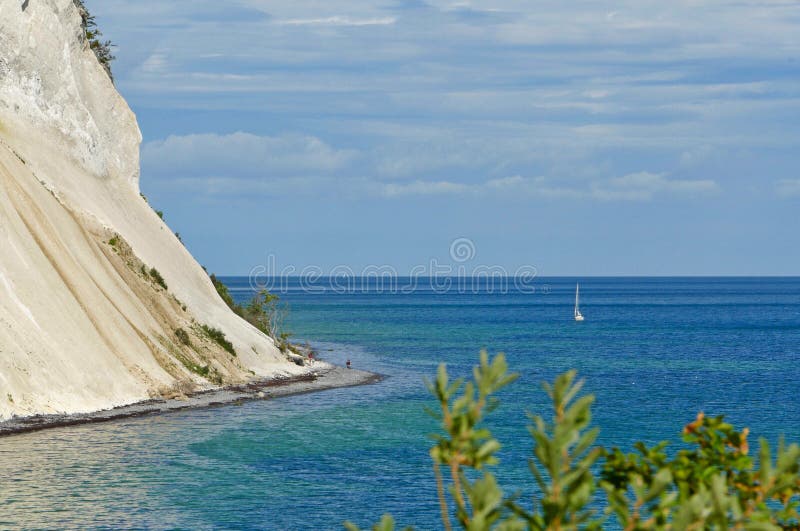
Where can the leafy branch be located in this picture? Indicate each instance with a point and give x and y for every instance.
(101, 48)
(713, 483)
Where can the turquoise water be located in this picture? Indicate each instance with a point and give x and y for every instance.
(654, 351)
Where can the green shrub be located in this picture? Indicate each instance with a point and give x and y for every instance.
(101, 48)
(114, 241)
(264, 311)
(218, 336)
(200, 370)
(225, 295)
(183, 337)
(283, 340)
(157, 278)
(714, 484)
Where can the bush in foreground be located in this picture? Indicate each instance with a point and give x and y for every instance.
(712, 484)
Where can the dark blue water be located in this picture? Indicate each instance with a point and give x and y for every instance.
(653, 351)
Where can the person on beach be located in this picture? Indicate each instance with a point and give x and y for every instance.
(348, 364)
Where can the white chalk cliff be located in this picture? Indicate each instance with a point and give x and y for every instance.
(82, 326)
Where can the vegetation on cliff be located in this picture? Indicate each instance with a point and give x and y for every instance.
(101, 48)
(265, 311)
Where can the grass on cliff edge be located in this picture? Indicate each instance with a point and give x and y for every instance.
(101, 48)
(218, 336)
(265, 311)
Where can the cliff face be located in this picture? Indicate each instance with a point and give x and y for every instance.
(83, 326)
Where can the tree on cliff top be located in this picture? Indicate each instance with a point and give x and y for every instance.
(101, 48)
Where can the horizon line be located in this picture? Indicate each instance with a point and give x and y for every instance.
(690, 276)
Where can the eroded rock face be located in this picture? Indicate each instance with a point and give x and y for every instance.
(51, 82)
(82, 325)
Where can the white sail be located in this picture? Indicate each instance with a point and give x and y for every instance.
(578, 314)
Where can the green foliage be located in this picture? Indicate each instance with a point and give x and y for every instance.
(160, 214)
(563, 460)
(262, 306)
(114, 241)
(205, 371)
(225, 295)
(466, 443)
(154, 275)
(386, 524)
(711, 484)
(265, 311)
(101, 48)
(200, 370)
(183, 337)
(714, 483)
(218, 336)
(283, 340)
(157, 278)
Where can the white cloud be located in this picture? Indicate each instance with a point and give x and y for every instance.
(643, 186)
(423, 188)
(787, 188)
(292, 163)
(241, 154)
(537, 187)
(155, 64)
(505, 183)
(337, 21)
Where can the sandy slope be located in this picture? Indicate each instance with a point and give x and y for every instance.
(81, 328)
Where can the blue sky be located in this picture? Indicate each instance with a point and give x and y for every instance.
(580, 138)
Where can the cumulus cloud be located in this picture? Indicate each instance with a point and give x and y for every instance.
(613, 87)
(643, 186)
(155, 63)
(337, 21)
(787, 188)
(542, 187)
(422, 188)
(242, 154)
(294, 163)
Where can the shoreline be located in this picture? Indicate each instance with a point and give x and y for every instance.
(326, 377)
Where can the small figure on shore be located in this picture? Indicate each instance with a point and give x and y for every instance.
(348, 364)
(311, 356)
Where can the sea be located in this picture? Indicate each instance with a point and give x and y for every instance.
(653, 351)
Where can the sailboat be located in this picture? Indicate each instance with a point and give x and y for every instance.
(578, 314)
